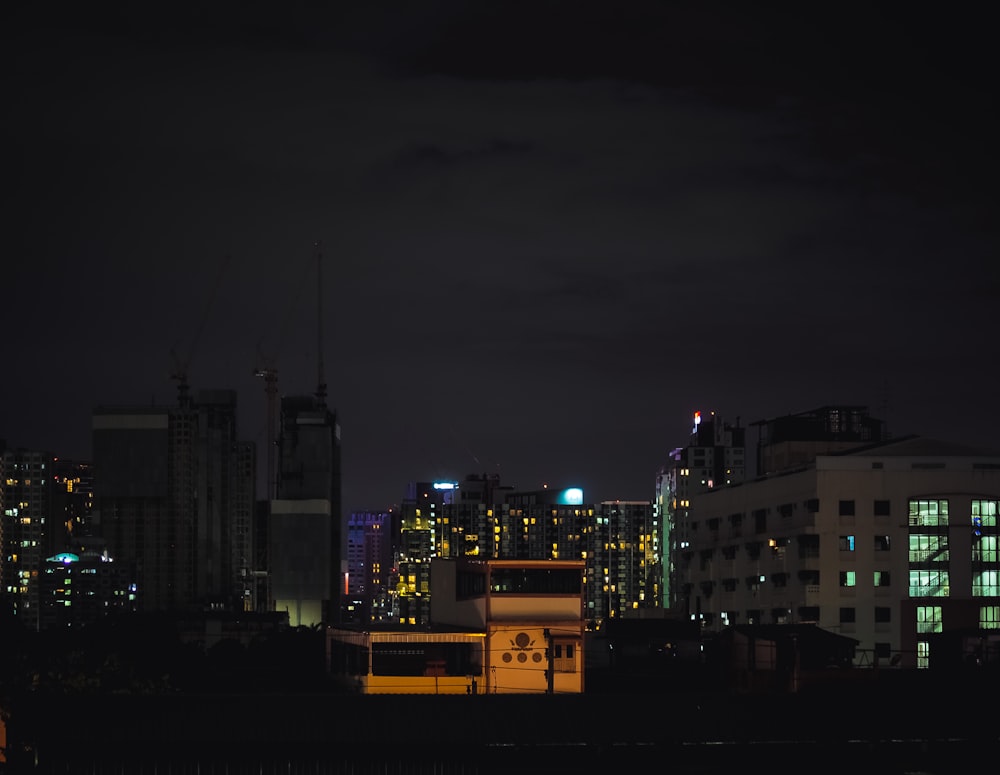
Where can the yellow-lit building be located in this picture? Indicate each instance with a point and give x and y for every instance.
(498, 627)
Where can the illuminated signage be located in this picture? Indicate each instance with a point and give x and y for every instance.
(573, 496)
(445, 485)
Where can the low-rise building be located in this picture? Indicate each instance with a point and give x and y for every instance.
(498, 627)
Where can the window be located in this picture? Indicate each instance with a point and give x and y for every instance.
(984, 548)
(563, 658)
(926, 548)
(812, 505)
(928, 513)
(881, 578)
(881, 543)
(929, 583)
(984, 513)
(779, 579)
(929, 618)
(923, 655)
(846, 615)
(753, 616)
(883, 614)
(848, 578)
(986, 583)
(847, 543)
(760, 520)
(989, 617)
(808, 545)
(881, 508)
(847, 508)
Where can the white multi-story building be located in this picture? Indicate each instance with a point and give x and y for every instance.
(892, 543)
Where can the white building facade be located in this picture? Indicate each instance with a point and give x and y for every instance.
(879, 544)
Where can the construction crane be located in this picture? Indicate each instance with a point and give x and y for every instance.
(320, 377)
(266, 370)
(180, 363)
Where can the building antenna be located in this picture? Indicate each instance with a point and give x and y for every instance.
(320, 378)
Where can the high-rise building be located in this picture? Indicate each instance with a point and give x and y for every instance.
(618, 540)
(892, 543)
(27, 529)
(715, 456)
(424, 534)
(369, 563)
(174, 495)
(304, 523)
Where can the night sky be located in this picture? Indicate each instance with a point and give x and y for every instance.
(550, 231)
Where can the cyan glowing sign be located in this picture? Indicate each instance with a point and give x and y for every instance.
(572, 496)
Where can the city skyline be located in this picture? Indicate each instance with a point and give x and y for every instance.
(545, 242)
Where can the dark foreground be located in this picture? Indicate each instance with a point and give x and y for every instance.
(889, 727)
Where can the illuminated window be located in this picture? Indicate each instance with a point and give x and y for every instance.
(848, 578)
(881, 578)
(986, 583)
(929, 618)
(923, 654)
(984, 513)
(928, 513)
(847, 543)
(989, 617)
(929, 583)
(928, 548)
(984, 549)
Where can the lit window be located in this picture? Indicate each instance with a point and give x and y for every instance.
(986, 583)
(847, 543)
(928, 513)
(989, 617)
(929, 583)
(848, 578)
(929, 618)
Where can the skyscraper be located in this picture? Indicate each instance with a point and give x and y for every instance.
(174, 494)
(304, 524)
(714, 456)
(26, 529)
